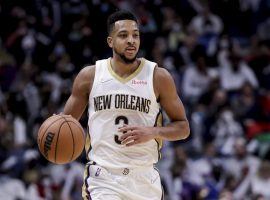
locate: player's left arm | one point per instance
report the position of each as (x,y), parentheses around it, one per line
(177,129)
(171,103)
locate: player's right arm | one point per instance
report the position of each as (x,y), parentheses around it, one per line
(81,88)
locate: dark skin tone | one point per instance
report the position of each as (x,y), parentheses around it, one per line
(125,41)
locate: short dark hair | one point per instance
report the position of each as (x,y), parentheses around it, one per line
(117,16)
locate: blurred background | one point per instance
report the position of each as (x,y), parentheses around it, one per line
(218,53)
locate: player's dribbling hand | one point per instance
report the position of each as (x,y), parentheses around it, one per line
(136,134)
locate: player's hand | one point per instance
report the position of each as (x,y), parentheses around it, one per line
(136,134)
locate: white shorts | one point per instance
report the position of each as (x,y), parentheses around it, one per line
(122,184)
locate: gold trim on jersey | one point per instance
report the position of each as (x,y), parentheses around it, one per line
(131,76)
(87,145)
(85,192)
(159,123)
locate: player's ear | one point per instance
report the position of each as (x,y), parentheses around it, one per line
(109,41)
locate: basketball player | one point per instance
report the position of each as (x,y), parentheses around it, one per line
(125,95)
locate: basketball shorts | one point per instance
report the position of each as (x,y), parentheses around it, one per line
(122,184)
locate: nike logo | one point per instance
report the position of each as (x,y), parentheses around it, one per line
(106,80)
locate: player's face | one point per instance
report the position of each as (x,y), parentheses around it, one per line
(125,40)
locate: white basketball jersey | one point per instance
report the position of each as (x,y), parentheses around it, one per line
(114,101)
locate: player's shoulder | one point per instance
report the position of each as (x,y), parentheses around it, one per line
(84,79)
(87,72)
(161,73)
(88,69)
(163,81)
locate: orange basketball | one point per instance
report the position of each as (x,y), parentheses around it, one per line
(61,139)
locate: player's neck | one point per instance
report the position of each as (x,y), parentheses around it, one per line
(123,69)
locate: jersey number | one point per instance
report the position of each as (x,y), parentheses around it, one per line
(118,120)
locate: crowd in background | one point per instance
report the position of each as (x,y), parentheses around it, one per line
(218,53)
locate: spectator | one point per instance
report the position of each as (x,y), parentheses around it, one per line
(225,131)
(235,73)
(196,79)
(243,163)
(207,26)
(261,181)
(206,23)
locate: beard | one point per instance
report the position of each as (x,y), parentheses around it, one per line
(124,58)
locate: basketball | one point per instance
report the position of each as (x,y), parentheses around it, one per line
(61,139)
